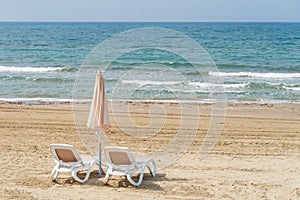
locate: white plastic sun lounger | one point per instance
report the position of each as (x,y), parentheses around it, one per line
(121,162)
(68,159)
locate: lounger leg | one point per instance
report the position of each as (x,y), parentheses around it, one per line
(74,173)
(152,172)
(54,172)
(137,184)
(89,170)
(108,171)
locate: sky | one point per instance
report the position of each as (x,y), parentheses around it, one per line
(150,10)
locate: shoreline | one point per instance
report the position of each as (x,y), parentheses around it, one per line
(50,101)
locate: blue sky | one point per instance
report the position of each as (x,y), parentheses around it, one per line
(150,10)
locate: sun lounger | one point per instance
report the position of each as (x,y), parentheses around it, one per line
(68,159)
(121,162)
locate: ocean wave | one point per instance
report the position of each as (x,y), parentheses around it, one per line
(176,101)
(40,100)
(143,82)
(194,84)
(75,101)
(121,64)
(188,86)
(13,78)
(213,85)
(34,79)
(255,75)
(274,86)
(292,88)
(52,80)
(36,69)
(163,92)
(68,69)
(242,87)
(209,101)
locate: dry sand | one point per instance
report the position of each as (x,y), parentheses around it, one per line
(257,156)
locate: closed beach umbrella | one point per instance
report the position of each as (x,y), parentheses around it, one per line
(98,116)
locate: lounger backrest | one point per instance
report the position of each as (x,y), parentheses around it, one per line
(65,153)
(119,156)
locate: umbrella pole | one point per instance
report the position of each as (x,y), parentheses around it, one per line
(99,152)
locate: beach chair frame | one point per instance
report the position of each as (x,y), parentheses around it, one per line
(68,159)
(121,162)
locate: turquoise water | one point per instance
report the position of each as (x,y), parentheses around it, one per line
(258,62)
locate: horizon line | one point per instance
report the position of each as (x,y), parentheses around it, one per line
(150,21)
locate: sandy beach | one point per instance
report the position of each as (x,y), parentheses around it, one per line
(256,157)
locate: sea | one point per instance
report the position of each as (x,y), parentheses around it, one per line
(40,62)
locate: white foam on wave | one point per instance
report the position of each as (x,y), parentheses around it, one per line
(143,82)
(207,101)
(29,69)
(43,100)
(255,75)
(213,85)
(176,101)
(195,84)
(292,88)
